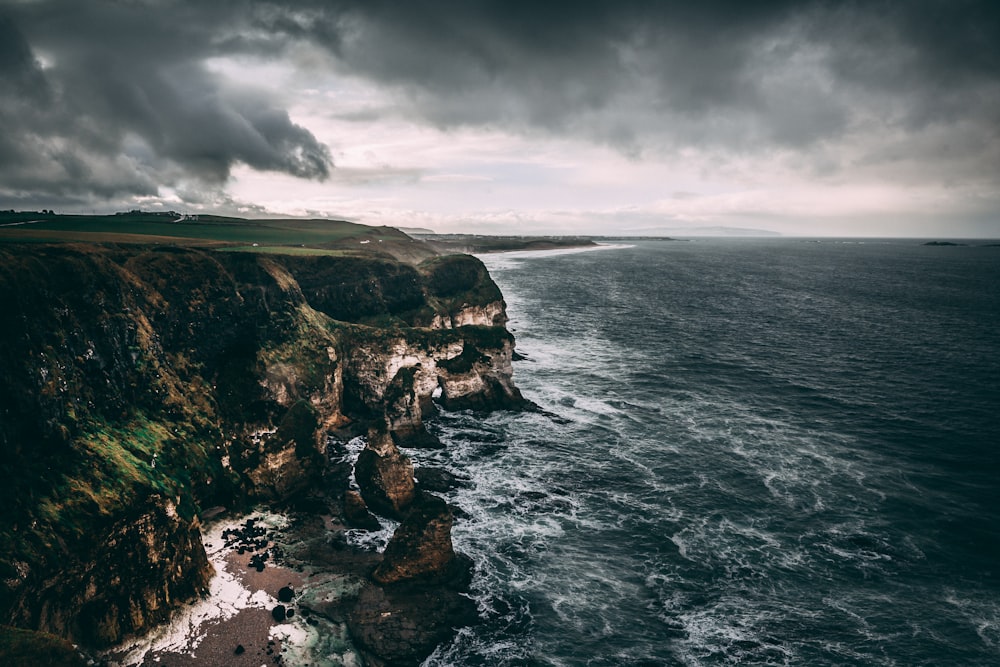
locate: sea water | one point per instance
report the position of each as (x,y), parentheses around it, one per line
(754,452)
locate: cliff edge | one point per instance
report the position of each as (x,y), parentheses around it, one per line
(145,384)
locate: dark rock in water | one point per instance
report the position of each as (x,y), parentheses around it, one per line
(356,513)
(279,613)
(438,480)
(943,243)
(239,650)
(285,594)
(403,625)
(417,438)
(421,547)
(385,476)
(517,356)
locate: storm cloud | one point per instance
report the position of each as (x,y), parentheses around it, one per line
(113,99)
(106,99)
(735,76)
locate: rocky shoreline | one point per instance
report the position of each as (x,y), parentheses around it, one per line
(291,587)
(177,389)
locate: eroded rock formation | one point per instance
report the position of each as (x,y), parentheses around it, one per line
(420,548)
(385,476)
(147,564)
(400,626)
(143,384)
(356,513)
(418,596)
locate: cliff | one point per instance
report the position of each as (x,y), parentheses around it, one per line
(144,384)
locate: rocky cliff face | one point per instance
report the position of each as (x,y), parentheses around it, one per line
(144,384)
(400,376)
(95,599)
(385,476)
(490,315)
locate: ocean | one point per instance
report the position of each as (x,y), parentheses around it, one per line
(753,452)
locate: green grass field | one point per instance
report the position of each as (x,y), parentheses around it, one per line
(286,250)
(137,227)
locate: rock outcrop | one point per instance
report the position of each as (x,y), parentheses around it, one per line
(356,514)
(400,626)
(418,599)
(127,581)
(142,384)
(385,476)
(438,480)
(420,549)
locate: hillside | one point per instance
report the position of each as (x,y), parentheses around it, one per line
(274,236)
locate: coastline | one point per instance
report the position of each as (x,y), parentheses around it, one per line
(237,625)
(235,388)
(555,252)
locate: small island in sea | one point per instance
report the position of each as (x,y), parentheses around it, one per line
(203,420)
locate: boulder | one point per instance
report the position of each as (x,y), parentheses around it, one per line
(438,480)
(421,547)
(416,437)
(385,476)
(356,514)
(402,626)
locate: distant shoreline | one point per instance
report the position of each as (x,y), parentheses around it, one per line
(554,252)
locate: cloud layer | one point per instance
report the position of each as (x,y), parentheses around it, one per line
(111,100)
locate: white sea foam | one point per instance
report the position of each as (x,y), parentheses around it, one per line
(981,612)
(492,259)
(373,540)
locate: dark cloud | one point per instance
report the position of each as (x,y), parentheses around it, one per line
(125,100)
(109,99)
(734,76)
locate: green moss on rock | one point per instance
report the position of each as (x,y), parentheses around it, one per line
(25,648)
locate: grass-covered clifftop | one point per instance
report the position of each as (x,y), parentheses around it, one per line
(287,236)
(143,384)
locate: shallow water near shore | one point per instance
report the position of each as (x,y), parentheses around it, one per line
(759,452)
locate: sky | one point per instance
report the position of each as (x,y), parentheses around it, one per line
(865,118)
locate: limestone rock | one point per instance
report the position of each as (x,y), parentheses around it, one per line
(402,626)
(404,407)
(356,513)
(481,378)
(385,476)
(438,480)
(421,547)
